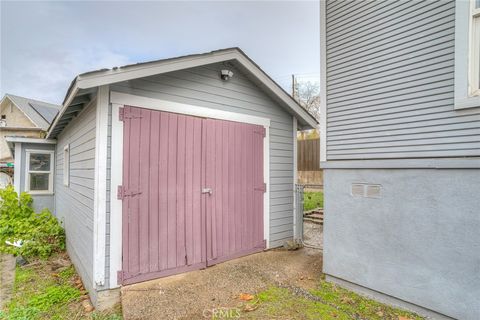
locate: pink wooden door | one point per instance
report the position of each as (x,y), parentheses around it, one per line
(163,223)
(172,223)
(234,174)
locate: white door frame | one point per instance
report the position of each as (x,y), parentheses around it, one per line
(118,100)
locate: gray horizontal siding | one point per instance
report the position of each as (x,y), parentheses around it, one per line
(74,203)
(202,87)
(390,88)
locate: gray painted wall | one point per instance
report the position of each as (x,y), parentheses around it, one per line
(419,242)
(390,88)
(40,201)
(202,86)
(74,203)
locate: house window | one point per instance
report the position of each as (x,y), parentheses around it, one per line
(66,165)
(467,54)
(475,48)
(39,175)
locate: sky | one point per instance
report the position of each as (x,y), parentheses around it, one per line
(44,45)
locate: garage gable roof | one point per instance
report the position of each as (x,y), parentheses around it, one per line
(85,82)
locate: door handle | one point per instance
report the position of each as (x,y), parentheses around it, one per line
(207,190)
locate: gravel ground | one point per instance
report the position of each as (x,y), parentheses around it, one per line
(186,296)
(313,234)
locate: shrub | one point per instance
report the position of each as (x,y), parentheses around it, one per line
(40,233)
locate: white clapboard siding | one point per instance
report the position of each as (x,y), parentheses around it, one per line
(74,203)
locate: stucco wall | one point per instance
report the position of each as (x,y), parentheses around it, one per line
(5,153)
(419,242)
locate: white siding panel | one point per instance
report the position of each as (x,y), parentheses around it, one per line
(74,203)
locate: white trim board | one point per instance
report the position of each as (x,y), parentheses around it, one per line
(100,187)
(296,234)
(30,140)
(175,107)
(118,100)
(323,81)
(17,173)
(115,204)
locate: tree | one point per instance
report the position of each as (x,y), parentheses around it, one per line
(307,93)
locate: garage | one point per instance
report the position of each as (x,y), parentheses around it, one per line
(192,192)
(173,165)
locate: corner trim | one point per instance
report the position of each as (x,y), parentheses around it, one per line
(445,163)
(17,173)
(323,81)
(100,187)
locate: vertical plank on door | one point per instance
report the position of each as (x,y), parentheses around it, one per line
(134,172)
(153,194)
(198,216)
(163,191)
(172,190)
(143,183)
(231,188)
(218,189)
(225,189)
(180,193)
(250,187)
(189,189)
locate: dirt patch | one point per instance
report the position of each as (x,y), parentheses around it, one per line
(186,296)
(7,278)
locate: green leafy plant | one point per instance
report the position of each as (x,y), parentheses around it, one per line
(39,234)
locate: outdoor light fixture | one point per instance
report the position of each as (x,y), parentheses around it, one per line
(226,74)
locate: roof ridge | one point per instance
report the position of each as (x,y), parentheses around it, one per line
(54,105)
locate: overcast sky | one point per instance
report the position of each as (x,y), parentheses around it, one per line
(44,45)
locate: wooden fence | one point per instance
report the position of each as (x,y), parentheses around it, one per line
(308,155)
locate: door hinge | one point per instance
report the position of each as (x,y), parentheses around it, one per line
(124,114)
(262,188)
(261,131)
(122,193)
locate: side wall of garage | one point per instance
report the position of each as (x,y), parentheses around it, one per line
(203,87)
(74,203)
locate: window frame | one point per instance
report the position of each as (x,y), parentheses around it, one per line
(474,57)
(66,165)
(466,76)
(50,172)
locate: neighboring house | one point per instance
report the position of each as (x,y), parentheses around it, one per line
(400,149)
(169,166)
(23,117)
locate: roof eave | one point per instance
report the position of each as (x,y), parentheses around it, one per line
(104,77)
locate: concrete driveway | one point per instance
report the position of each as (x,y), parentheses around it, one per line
(193,295)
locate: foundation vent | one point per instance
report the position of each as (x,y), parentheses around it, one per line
(366,190)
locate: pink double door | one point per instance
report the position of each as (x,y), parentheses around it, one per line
(192,192)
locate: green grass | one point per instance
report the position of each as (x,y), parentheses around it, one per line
(40,293)
(334,303)
(312,200)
